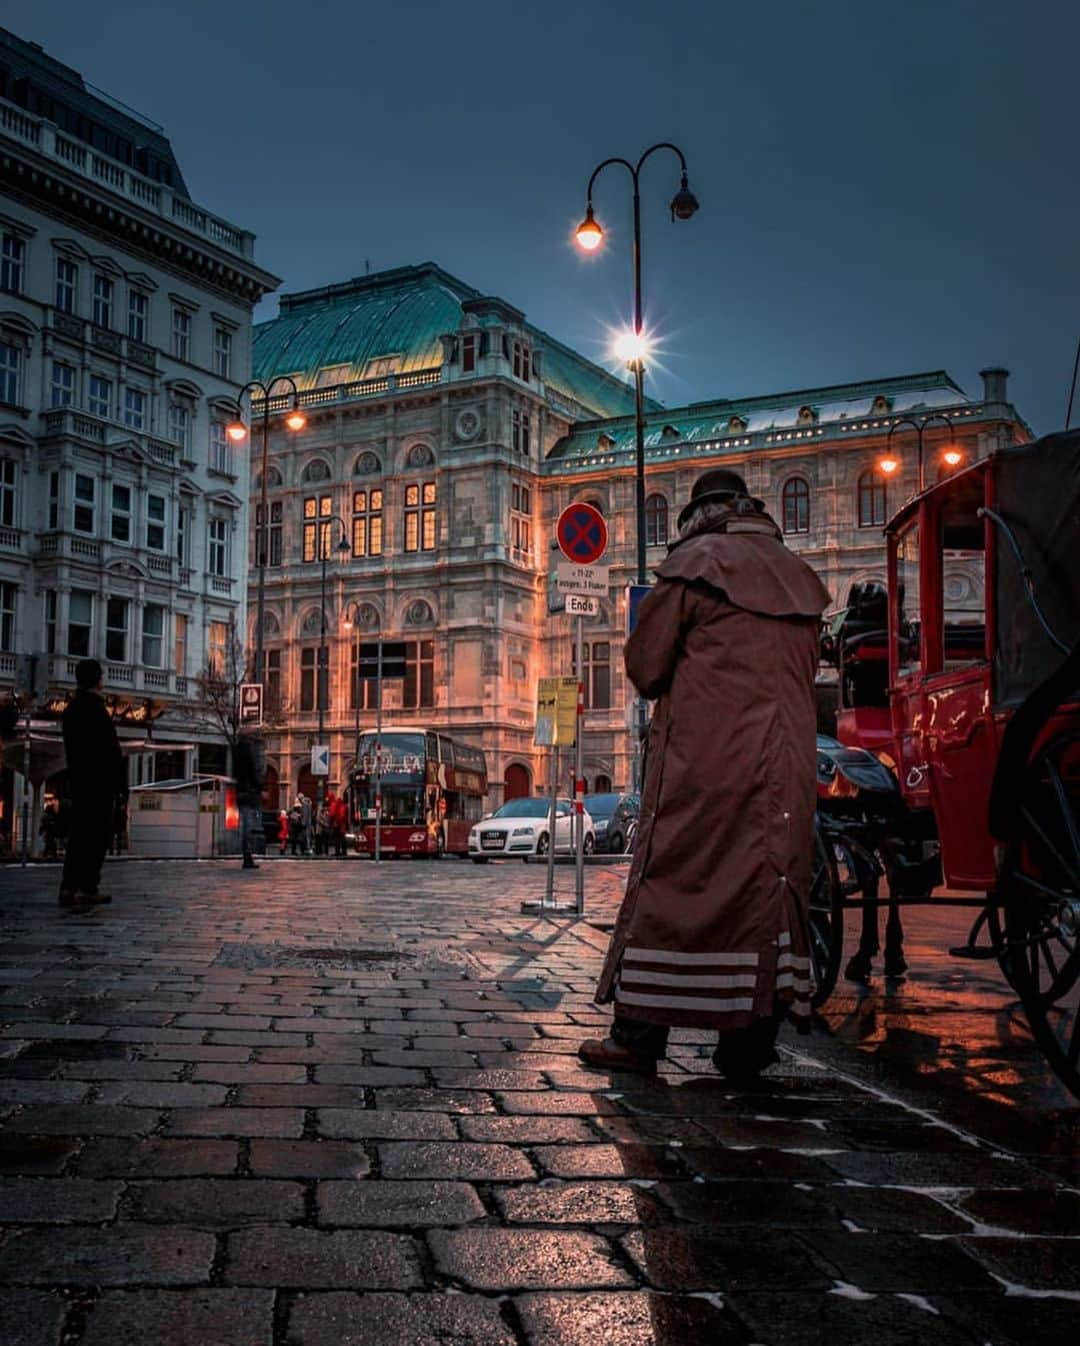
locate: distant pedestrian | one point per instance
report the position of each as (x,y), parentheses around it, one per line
(712,931)
(296,830)
(249,771)
(303,803)
(322,830)
(283,831)
(339,823)
(97,778)
(118,838)
(48,829)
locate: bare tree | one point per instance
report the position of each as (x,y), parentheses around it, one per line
(217,689)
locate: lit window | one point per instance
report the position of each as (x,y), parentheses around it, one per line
(218,534)
(153,635)
(367,533)
(656,521)
(120,514)
(63,384)
(217,648)
(138,308)
(317,526)
(155,523)
(103,300)
(223,352)
(795,501)
(67,279)
(180,644)
(83,514)
(99,397)
(871,500)
(117,612)
(12,258)
(7,492)
(520,522)
(420,517)
(134,408)
(8,599)
(181,334)
(10,361)
(80,622)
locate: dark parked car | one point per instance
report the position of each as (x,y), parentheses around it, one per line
(612,816)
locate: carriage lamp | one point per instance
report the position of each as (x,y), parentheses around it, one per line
(888,465)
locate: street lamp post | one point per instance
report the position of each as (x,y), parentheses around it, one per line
(343,548)
(237,431)
(952,457)
(589,236)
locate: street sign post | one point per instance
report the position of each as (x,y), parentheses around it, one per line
(251,703)
(589,581)
(636,594)
(582,533)
(320,759)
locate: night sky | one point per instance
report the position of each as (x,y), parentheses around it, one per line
(884,189)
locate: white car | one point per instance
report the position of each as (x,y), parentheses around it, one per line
(522,827)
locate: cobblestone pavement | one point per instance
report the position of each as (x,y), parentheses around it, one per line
(328,1103)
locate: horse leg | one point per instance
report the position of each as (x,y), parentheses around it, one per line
(895,962)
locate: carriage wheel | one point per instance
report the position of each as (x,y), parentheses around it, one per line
(1039,891)
(826,922)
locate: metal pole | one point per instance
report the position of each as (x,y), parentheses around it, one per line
(263,532)
(378,756)
(922,481)
(322,655)
(579,784)
(549,891)
(26,766)
(639,396)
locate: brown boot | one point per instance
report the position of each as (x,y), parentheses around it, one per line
(605,1054)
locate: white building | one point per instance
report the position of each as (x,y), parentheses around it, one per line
(125,314)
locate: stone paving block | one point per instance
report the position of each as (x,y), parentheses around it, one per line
(908,1169)
(311,1259)
(84,1119)
(223,1203)
(162,1095)
(584,1203)
(626,1318)
(527,1130)
(57,1200)
(1009,1320)
(650,1130)
(453,1159)
(237,1022)
(884,1209)
(247,1072)
(124,1254)
(1024,1212)
(31,1317)
(145,1071)
(718,1163)
(368,1077)
(199,1051)
(406,1204)
(772,1204)
(554,1104)
(842,1319)
(1038,1264)
(434,1100)
(605,1161)
(529,1080)
(157,1157)
(512,1259)
(35,1154)
(378,1123)
(308,1159)
(415,1060)
(43,1092)
(181,1318)
(300,1096)
(686,1260)
(343,1319)
(235,1122)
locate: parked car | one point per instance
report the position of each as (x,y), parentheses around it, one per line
(613,816)
(522,827)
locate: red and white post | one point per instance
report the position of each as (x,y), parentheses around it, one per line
(579,782)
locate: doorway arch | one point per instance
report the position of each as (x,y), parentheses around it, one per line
(602,785)
(270,797)
(517,782)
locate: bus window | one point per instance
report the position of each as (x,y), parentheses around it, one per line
(432,746)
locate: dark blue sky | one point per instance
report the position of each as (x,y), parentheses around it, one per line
(884,188)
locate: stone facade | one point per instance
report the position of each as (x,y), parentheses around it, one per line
(438,401)
(125,316)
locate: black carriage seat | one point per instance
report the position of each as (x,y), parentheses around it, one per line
(864,646)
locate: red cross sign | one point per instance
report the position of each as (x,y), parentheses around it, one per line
(582,533)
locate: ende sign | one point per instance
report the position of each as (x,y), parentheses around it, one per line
(579,606)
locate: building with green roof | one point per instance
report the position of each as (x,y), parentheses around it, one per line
(444,435)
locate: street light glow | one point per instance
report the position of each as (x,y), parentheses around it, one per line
(888,465)
(589,234)
(237,431)
(296,420)
(630,347)
(952,457)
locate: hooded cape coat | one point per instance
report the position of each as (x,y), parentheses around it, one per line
(712,930)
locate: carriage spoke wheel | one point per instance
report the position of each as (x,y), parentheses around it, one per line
(1039,892)
(826,919)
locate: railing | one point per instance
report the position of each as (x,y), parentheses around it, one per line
(185,578)
(65,421)
(181,686)
(161,564)
(155,678)
(162,453)
(80,547)
(7,663)
(121,673)
(12,538)
(221,584)
(46,140)
(347,392)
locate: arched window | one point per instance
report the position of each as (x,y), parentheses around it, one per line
(517,783)
(871,491)
(317,470)
(795,502)
(656,521)
(602,785)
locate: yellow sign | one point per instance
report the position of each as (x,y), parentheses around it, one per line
(556,712)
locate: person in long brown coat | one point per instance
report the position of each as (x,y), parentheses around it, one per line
(712,930)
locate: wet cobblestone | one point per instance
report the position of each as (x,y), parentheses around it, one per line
(348,1108)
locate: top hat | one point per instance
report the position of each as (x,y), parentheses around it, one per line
(719,484)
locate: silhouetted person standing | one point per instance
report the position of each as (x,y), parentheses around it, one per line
(98,781)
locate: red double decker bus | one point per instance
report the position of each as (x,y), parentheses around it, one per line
(433,788)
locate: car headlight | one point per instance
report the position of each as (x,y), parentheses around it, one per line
(601,824)
(523,831)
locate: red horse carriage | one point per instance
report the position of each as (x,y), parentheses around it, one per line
(958,761)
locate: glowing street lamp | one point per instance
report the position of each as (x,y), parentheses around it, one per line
(888,466)
(952,458)
(589,234)
(632,347)
(920,429)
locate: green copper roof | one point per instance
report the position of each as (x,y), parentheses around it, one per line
(334,334)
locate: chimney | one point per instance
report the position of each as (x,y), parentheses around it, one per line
(995,383)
